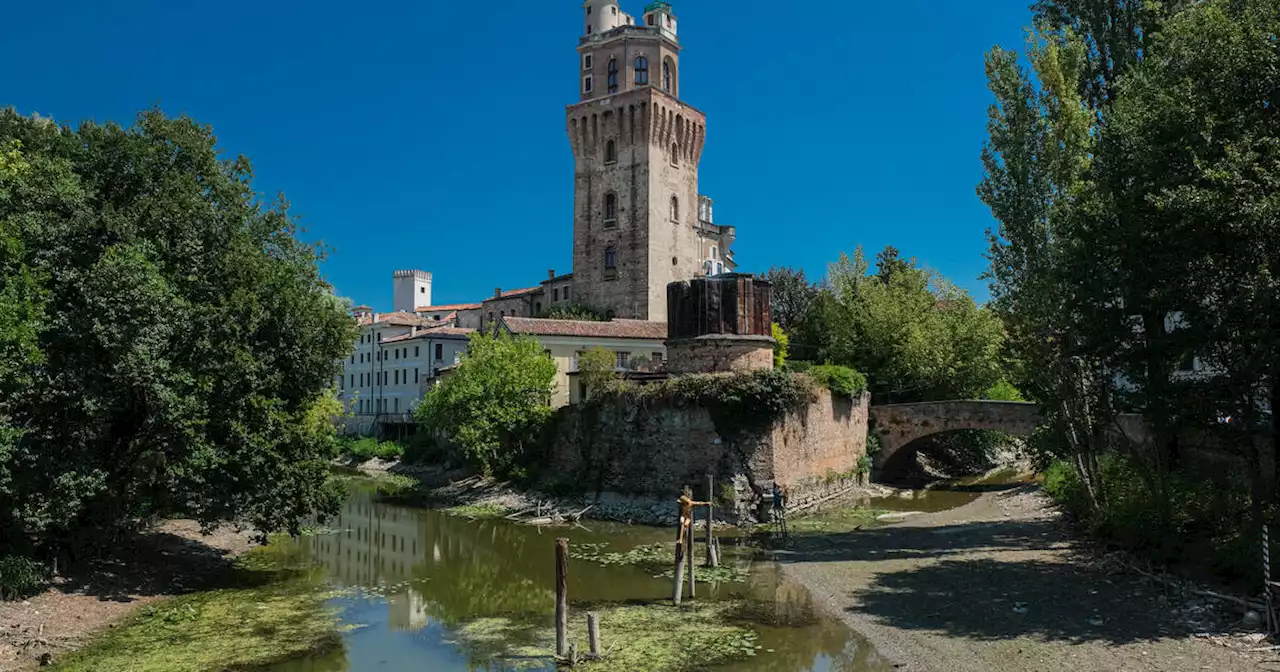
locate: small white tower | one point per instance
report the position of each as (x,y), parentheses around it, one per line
(410,290)
(602,16)
(658,15)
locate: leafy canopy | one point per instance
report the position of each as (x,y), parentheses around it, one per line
(493,406)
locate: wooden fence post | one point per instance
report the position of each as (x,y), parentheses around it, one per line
(713,554)
(562,597)
(680,560)
(691,563)
(593,634)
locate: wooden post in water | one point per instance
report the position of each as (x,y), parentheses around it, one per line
(593,634)
(562,597)
(713,554)
(691,563)
(679,575)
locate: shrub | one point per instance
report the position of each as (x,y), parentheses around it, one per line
(797,366)
(19,576)
(366,449)
(781,345)
(1003,391)
(737,402)
(841,380)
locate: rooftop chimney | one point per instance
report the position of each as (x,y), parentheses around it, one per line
(551,274)
(497,293)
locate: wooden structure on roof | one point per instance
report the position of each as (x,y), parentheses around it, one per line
(730,304)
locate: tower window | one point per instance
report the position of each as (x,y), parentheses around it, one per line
(642,69)
(675,209)
(610,208)
(610,152)
(586,62)
(611,258)
(586,84)
(613,75)
(715,254)
(667,76)
(675,154)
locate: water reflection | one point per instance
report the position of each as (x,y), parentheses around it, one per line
(427,591)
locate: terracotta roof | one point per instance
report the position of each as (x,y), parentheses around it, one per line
(516,292)
(400,319)
(438,332)
(566,276)
(615,329)
(452,306)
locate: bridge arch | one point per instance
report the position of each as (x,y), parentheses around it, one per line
(899,424)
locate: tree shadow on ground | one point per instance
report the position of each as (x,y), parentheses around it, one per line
(988,580)
(148,563)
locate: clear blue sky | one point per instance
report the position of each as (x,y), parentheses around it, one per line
(431,134)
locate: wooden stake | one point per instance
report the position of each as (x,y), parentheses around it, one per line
(562,597)
(679,575)
(691,563)
(593,633)
(713,555)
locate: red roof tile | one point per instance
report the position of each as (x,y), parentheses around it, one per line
(615,329)
(438,332)
(400,319)
(452,306)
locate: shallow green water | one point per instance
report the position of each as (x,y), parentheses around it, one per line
(418,584)
(946,495)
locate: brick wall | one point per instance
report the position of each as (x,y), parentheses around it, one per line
(660,445)
(719,353)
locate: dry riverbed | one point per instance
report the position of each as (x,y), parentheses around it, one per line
(999,585)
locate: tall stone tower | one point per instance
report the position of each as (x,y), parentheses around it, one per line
(636,148)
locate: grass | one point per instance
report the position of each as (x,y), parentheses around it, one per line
(484,511)
(834,521)
(275,611)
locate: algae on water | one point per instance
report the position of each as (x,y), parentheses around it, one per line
(658,559)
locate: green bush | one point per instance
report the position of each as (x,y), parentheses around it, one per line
(797,366)
(19,576)
(841,380)
(366,449)
(1196,523)
(737,401)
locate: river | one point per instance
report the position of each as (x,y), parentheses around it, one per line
(411,585)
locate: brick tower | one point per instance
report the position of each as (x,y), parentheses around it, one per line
(636,224)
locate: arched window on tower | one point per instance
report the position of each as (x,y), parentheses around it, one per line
(611,258)
(610,209)
(610,152)
(668,76)
(675,154)
(642,69)
(613,75)
(675,209)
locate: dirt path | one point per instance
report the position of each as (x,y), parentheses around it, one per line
(173,559)
(997,585)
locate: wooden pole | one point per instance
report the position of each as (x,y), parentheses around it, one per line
(593,633)
(713,556)
(691,563)
(679,575)
(562,597)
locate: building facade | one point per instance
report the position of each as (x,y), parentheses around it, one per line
(637,146)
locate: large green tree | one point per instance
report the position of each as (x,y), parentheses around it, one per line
(168,342)
(494,405)
(915,335)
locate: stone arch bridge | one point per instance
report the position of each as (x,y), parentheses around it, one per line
(900,424)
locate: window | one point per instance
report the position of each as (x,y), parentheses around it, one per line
(624,359)
(353,380)
(615,10)
(415,352)
(675,209)
(555,294)
(397,352)
(566,293)
(439,352)
(1188,364)
(642,69)
(611,258)
(586,84)
(675,154)
(537,306)
(395,376)
(613,75)
(610,208)
(397,402)
(658,357)
(415,376)
(715,254)
(342,383)
(586,62)
(353,359)
(610,152)
(491,316)
(379,337)
(666,75)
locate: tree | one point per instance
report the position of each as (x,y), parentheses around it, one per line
(597,370)
(781,345)
(493,406)
(792,296)
(915,335)
(178,336)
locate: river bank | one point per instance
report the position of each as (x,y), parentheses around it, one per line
(1000,584)
(94,597)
